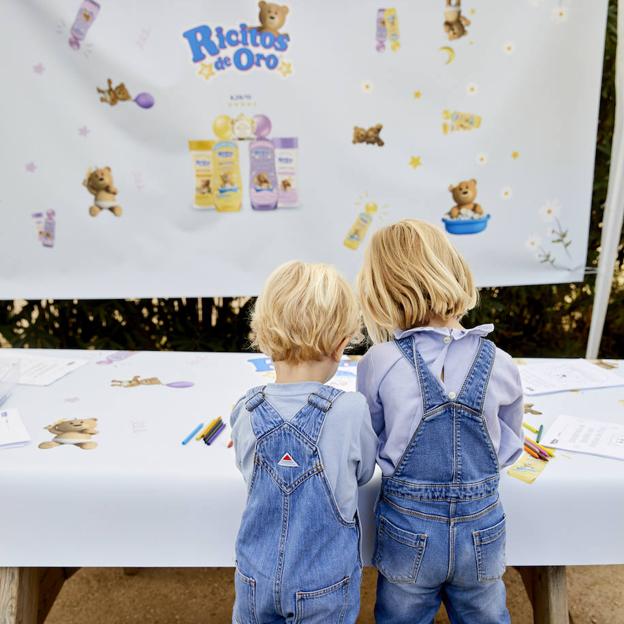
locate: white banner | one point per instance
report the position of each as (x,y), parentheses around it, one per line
(186,148)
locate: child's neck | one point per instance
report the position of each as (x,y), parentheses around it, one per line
(436,321)
(320,371)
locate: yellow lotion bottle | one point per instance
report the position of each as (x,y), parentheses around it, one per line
(225,162)
(359,228)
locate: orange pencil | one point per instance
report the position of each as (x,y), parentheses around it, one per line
(531,452)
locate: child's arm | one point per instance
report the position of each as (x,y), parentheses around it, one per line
(511,415)
(367,384)
(243,438)
(368,449)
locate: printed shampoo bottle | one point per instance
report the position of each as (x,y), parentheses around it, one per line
(286,162)
(225,163)
(262,176)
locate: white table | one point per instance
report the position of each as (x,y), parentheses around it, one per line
(142,499)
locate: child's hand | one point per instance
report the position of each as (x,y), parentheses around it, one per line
(230,443)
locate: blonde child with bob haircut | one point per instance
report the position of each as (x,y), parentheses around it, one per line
(447,407)
(303,448)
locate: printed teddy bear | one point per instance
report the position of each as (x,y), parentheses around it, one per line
(99,183)
(76,432)
(111,95)
(454,22)
(464,195)
(272,17)
(370,136)
(226,181)
(262,181)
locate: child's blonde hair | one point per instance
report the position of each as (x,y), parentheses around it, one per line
(303,313)
(411,274)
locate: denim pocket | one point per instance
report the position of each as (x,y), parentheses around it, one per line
(323,606)
(245,601)
(489,545)
(398,553)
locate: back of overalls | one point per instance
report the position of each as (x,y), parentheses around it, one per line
(297,558)
(440,524)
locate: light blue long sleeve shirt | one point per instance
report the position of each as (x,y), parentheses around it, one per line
(347,443)
(390,385)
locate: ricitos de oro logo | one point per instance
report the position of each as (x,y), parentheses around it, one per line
(244,47)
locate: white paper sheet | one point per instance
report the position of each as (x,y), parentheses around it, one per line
(566,375)
(586,436)
(41,370)
(12,430)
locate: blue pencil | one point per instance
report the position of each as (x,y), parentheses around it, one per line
(193,433)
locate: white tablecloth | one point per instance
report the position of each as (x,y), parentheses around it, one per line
(142,499)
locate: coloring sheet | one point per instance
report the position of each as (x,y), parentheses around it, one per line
(187,148)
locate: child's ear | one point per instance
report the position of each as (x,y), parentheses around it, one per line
(337,354)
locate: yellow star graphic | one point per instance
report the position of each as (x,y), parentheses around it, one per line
(285,68)
(418,94)
(415,162)
(473,11)
(515,155)
(206,71)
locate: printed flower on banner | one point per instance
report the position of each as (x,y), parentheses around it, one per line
(482,159)
(472,88)
(557,238)
(534,243)
(506,192)
(39,68)
(367,86)
(559,15)
(84,131)
(550,210)
(30,167)
(509,47)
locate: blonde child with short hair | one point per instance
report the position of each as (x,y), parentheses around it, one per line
(303,448)
(447,407)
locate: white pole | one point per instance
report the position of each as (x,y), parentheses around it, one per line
(614,206)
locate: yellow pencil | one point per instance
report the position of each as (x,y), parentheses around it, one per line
(527,426)
(546,450)
(207,428)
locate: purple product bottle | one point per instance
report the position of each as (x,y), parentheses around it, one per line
(286,163)
(262,176)
(86,15)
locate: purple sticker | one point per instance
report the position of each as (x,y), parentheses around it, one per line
(180,384)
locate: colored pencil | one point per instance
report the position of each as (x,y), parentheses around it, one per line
(528,443)
(193,433)
(531,453)
(208,440)
(527,426)
(538,436)
(207,429)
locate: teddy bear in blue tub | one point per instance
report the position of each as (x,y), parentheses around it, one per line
(466,216)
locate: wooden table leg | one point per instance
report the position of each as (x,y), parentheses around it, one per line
(19,595)
(27,594)
(548,593)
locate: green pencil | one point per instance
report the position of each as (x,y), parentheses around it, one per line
(538,437)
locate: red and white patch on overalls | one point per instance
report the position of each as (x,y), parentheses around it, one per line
(288,461)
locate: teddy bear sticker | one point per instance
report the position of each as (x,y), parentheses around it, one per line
(112,95)
(99,182)
(454,22)
(272,17)
(75,432)
(466,216)
(370,136)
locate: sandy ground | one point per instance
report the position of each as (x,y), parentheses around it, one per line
(193,596)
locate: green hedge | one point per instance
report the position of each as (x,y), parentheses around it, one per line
(530,320)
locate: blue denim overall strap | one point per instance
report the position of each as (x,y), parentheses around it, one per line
(450,457)
(290,513)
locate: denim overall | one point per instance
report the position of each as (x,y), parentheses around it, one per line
(440,525)
(298,560)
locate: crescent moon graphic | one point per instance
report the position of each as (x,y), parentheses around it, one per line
(450,52)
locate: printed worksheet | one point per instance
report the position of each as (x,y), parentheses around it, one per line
(586,436)
(38,370)
(566,375)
